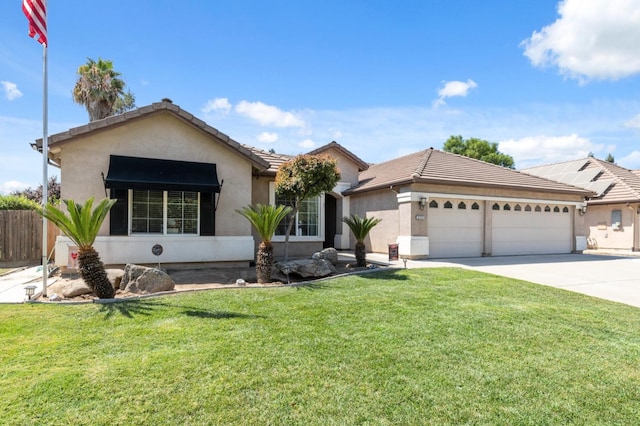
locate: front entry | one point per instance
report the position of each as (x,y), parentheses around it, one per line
(330,221)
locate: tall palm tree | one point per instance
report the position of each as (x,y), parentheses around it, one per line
(100,91)
(265,219)
(82,225)
(360,228)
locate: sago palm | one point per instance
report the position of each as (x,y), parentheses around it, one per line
(81,225)
(360,228)
(264,219)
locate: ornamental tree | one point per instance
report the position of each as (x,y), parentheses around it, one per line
(303,177)
(478,149)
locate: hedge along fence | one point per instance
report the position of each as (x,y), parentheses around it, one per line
(21,237)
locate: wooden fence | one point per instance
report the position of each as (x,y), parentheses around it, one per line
(21,238)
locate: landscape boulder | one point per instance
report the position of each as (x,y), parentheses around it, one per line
(306,268)
(75,288)
(329,254)
(144,280)
(115,277)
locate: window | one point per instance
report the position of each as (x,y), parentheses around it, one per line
(527,208)
(538,209)
(448,205)
(556,209)
(547,209)
(495,206)
(616,219)
(182,212)
(507,207)
(462,205)
(147,212)
(565,210)
(517,208)
(160,212)
(475,206)
(433,204)
(307,221)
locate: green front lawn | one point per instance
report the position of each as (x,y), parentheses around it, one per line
(431,346)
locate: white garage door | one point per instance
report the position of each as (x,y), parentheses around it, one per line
(454,228)
(530,229)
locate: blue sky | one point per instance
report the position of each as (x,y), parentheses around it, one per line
(548,81)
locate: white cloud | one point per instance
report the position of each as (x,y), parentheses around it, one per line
(268,115)
(307,144)
(454,88)
(217,105)
(11,91)
(268,137)
(12,186)
(630,161)
(592,39)
(634,123)
(536,150)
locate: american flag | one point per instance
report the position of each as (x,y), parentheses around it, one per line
(36,13)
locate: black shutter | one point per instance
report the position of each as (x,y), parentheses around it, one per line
(118,222)
(207,213)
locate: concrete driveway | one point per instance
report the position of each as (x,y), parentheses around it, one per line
(615,278)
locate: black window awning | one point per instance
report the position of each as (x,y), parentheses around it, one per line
(169,175)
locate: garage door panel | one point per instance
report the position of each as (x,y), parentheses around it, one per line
(455,232)
(517,232)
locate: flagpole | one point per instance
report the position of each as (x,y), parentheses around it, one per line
(45,174)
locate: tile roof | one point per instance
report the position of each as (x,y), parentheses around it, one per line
(435,166)
(121,119)
(274,160)
(612,183)
(350,155)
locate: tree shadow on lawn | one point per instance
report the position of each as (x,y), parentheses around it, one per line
(143,307)
(385,274)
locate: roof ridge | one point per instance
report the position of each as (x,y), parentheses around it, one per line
(423,163)
(635,189)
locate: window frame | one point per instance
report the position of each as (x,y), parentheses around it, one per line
(165,218)
(301,238)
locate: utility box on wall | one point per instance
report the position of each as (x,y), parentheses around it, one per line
(393,252)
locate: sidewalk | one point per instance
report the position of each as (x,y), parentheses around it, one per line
(12,286)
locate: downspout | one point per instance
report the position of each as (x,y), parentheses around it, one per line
(634,221)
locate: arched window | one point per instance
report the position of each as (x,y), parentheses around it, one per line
(495,206)
(565,209)
(556,209)
(547,209)
(507,207)
(462,205)
(433,204)
(475,206)
(527,208)
(538,209)
(448,205)
(517,208)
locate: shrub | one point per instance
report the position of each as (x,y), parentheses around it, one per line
(16,202)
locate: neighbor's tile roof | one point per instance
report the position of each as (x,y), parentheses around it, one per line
(155,108)
(274,160)
(434,166)
(612,183)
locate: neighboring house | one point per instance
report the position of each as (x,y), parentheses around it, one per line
(611,219)
(179,182)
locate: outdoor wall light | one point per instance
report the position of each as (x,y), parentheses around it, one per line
(30,290)
(422,203)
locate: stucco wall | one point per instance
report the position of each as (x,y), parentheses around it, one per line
(600,230)
(348,170)
(381,204)
(160,136)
